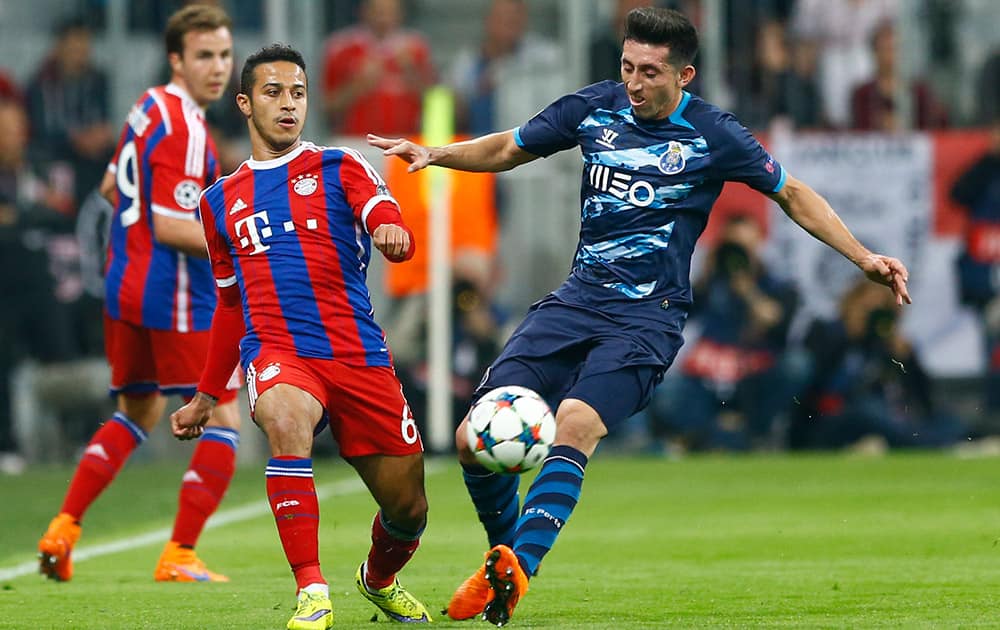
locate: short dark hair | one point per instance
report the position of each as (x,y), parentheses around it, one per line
(664,27)
(267,54)
(194,17)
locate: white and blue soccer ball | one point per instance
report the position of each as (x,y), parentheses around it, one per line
(510,430)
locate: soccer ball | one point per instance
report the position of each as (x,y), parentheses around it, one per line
(510,430)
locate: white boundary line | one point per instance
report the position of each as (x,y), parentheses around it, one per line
(244,512)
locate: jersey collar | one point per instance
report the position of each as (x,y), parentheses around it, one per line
(282,160)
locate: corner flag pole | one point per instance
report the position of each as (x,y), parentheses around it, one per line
(438,124)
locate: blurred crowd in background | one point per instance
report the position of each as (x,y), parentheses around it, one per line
(744,381)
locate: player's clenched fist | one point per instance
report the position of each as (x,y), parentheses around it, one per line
(188,422)
(393,241)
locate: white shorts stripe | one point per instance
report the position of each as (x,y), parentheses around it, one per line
(252,386)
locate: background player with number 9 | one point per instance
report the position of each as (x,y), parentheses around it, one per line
(160,295)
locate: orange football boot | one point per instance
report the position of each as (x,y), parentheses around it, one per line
(55,549)
(472,596)
(181,564)
(508,584)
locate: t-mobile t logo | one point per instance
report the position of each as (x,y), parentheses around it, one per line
(246,229)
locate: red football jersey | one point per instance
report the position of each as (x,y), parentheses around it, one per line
(293,234)
(165,158)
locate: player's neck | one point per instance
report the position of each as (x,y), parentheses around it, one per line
(262,152)
(179,82)
(671,107)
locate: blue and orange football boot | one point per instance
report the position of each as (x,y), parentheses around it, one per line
(55,549)
(181,564)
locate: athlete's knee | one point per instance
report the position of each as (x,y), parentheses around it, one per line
(226,415)
(409,512)
(579,425)
(145,410)
(465,455)
(461,439)
(287,434)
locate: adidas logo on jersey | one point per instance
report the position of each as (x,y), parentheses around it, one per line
(238,205)
(191,477)
(97,450)
(607,138)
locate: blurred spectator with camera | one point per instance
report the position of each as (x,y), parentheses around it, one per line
(375,73)
(869,388)
(873,103)
(734,382)
(978,265)
(69,109)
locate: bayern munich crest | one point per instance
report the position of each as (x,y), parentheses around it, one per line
(272,370)
(305,185)
(672,162)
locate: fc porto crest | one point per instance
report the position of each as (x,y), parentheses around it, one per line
(672,162)
(304,185)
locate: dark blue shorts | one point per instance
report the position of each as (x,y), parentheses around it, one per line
(611,363)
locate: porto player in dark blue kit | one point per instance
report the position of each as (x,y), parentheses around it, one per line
(655,160)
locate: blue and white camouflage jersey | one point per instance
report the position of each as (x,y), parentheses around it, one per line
(647,189)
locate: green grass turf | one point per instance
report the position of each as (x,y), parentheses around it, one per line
(817,541)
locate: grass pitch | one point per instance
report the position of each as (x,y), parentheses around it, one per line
(817,541)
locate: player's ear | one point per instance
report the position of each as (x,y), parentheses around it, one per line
(687,75)
(243,102)
(174,59)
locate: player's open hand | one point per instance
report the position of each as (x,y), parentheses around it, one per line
(417,155)
(188,422)
(392,240)
(888,271)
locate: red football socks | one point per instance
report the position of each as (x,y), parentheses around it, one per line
(292,495)
(102,459)
(205,483)
(391,549)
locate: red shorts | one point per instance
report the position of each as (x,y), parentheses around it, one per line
(145,360)
(367,410)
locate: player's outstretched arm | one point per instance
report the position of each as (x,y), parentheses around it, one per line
(811,211)
(490,153)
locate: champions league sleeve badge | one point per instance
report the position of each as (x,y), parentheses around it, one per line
(672,162)
(186,194)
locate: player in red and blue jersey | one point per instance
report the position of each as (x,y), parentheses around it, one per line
(290,234)
(160,296)
(655,160)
